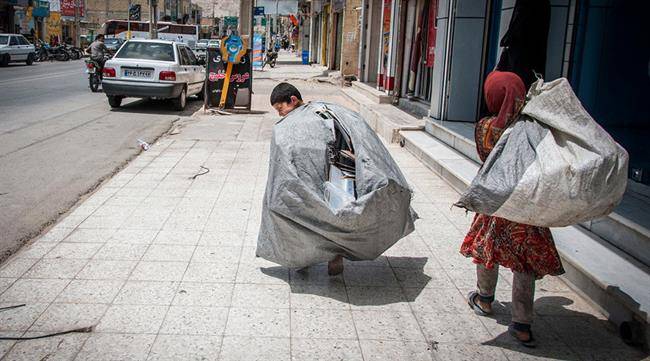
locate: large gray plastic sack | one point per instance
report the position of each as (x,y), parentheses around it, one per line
(298,227)
(554,167)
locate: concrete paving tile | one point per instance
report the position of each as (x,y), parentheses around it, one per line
(586,331)
(121,252)
(16,267)
(5,283)
(106,222)
(146,293)
(113,211)
(427,277)
(34,290)
(185,348)
(251,273)
(235,348)
(132,319)
(147,219)
(332,296)
(106,270)
(128,236)
(387,325)
(100,235)
(57,348)
(614,354)
(68,316)
(21,318)
(262,322)
(325,349)
(441,327)
(127,201)
(159,271)
(320,323)
(497,326)
(90,291)
(35,250)
(315,275)
(56,234)
(370,276)
(56,268)
(186,238)
(111,347)
(377,299)
(71,221)
(563,304)
(67,250)
(191,320)
(160,202)
(204,294)
(542,353)
(416,259)
(260,296)
(448,300)
(216,254)
(221,239)
(467,352)
(168,253)
(211,272)
(375,350)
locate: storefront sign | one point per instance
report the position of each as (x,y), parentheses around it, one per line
(258,11)
(240,78)
(431,36)
(68,7)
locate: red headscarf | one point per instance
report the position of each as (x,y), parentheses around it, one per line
(504,93)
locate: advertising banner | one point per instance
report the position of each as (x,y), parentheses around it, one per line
(240,78)
(258,59)
(431,35)
(68,7)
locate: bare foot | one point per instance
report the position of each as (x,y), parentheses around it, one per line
(335,266)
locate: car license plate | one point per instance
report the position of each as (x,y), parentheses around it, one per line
(132,73)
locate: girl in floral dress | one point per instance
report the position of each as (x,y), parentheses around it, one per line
(529,251)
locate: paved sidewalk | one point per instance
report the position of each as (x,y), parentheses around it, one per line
(163,264)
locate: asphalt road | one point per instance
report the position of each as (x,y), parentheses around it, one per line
(58,141)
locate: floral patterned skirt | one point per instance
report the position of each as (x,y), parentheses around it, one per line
(520,247)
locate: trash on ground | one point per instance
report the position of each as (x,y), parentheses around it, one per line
(144,145)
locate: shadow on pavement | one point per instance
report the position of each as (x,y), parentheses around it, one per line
(557,327)
(373,276)
(162,107)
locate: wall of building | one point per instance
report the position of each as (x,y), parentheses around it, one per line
(350,38)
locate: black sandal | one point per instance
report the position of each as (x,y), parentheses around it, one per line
(471,301)
(522,327)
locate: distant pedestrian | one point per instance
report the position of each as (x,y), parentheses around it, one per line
(529,251)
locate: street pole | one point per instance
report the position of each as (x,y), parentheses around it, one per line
(77,36)
(277,26)
(128,22)
(153,19)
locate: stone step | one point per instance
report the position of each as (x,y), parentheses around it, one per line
(377,96)
(385,119)
(610,279)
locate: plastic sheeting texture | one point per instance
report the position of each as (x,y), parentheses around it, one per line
(554,167)
(298,227)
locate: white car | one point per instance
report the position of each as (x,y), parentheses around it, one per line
(157,69)
(15,48)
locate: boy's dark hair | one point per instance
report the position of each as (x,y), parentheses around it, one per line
(283,92)
(99,36)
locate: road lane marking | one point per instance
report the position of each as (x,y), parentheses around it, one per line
(58,75)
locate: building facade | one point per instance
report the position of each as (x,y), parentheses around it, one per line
(432,57)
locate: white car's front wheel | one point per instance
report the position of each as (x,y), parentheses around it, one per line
(181,101)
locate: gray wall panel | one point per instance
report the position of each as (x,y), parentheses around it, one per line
(438,69)
(470,8)
(465,69)
(556,42)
